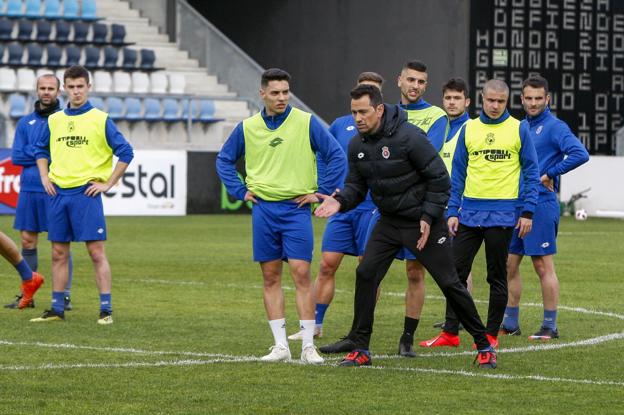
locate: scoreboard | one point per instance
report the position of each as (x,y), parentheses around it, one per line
(577,45)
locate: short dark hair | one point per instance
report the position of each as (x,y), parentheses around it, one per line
(456,84)
(371,77)
(274,74)
(416,66)
(536,81)
(374,94)
(76,71)
(49,75)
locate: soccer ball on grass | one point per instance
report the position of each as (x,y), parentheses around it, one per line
(580,214)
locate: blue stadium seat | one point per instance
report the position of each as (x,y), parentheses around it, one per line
(33,8)
(54,56)
(171,110)
(118,34)
(62,31)
(24,29)
(92,57)
(89,10)
(17,105)
(133,109)
(81,31)
(207,111)
(72,54)
(6,28)
(129,58)
(1,7)
(111,55)
(152,109)
(14,8)
(115,108)
(35,54)
(100,32)
(51,9)
(97,102)
(44,29)
(70,9)
(148,57)
(16,53)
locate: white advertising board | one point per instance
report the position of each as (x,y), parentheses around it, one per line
(153,185)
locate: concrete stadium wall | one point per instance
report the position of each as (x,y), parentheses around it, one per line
(325,44)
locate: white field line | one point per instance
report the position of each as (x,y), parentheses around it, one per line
(243,359)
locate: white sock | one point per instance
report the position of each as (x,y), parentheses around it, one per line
(308,332)
(278,327)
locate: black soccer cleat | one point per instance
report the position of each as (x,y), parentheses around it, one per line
(545,334)
(15,304)
(343,345)
(504,331)
(356,358)
(406,349)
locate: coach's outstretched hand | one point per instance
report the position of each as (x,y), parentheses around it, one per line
(329,207)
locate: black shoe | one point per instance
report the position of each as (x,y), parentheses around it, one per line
(545,334)
(440,325)
(15,303)
(356,358)
(504,331)
(49,315)
(68,304)
(343,345)
(486,359)
(406,349)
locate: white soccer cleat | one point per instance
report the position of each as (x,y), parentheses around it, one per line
(279,353)
(310,355)
(298,336)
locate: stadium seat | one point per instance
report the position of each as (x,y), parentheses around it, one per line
(171,110)
(24,29)
(148,57)
(121,82)
(111,55)
(118,34)
(129,58)
(207,111)
(89,10)
(97,102)
(103,81)
(51,9)
(70,9)
(16,53)
(72,54)
(100,33)
(152,109)
(81,32)
(26,79)
(62,31)
(140,83)
(44,30)
(115,108)
(177,83)
(33,8)
(8,79)
(189,109)
(133,109)
(14,8)
(1,7)
(6,29)
(92,57)
(54,56)
(43,71)
(159,82)
(17,105)
(35,54)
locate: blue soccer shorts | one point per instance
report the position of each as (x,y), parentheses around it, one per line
(542,240)
(76,217)
(403,253)
(281,230)
(31,213)
(347,232)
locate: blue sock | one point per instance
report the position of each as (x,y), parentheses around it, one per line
(320,313)
(550,319)
(58,301)
(70,277)
(30,256)
(510,322)
(105,303)
(24,270)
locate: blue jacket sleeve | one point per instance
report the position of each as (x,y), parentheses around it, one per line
(324,143)
(232,150)
(42,146)
(458,178)
(437,133)
(23,152)
(321,163)
(116,141)
(576,153)
(530,172)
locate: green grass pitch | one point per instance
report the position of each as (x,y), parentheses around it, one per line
(189,322)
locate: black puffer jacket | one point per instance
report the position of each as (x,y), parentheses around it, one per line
(403,171)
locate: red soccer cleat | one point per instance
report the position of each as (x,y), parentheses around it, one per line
(443,339)
(29,288)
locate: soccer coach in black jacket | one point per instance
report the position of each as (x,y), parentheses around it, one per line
(410,185)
